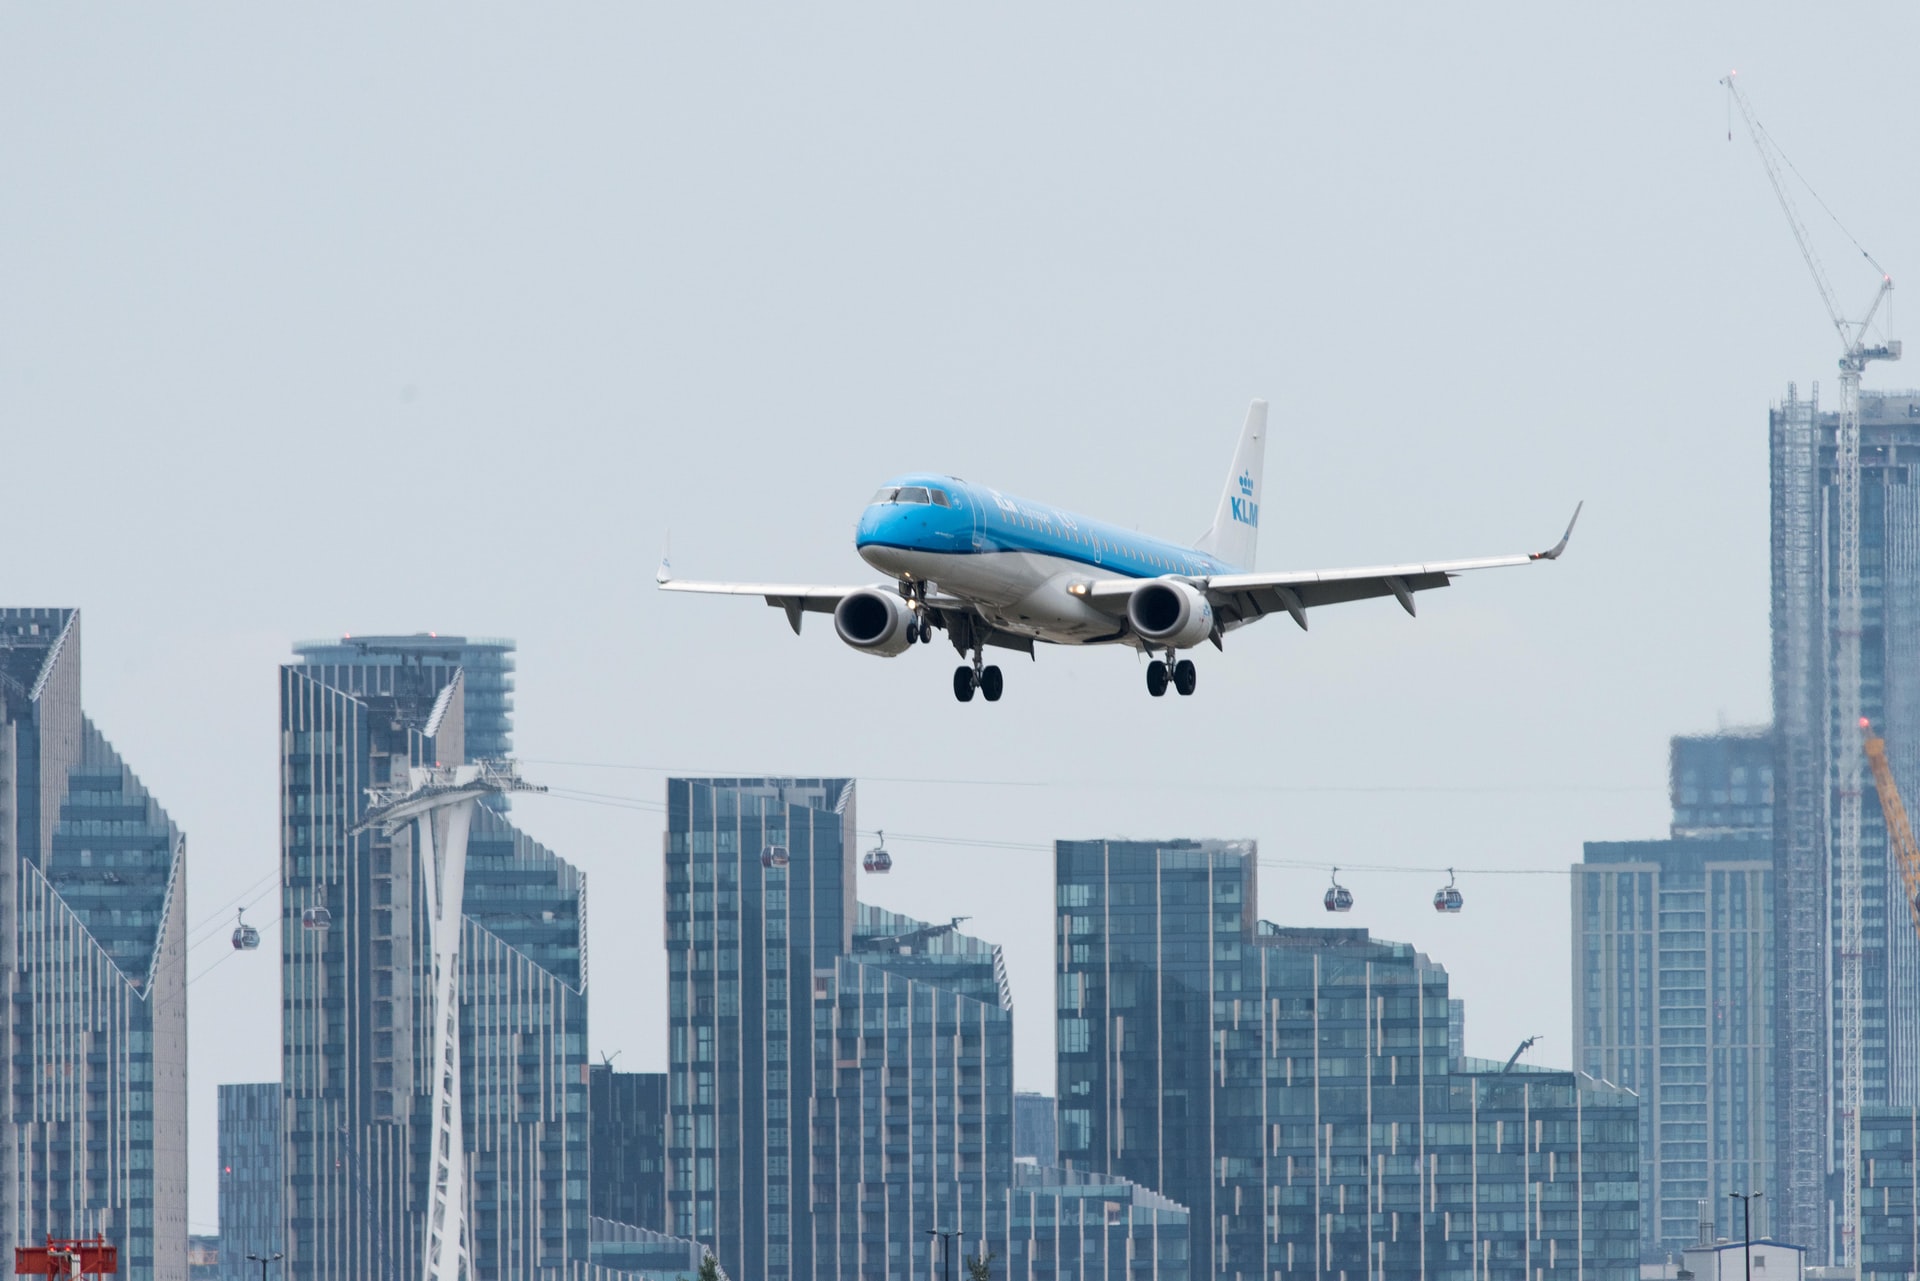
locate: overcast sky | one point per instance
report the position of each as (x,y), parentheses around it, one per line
(345,319)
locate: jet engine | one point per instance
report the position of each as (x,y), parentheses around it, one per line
(873,621)
(1170,614)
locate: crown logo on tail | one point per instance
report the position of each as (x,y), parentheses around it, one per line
(1246,483)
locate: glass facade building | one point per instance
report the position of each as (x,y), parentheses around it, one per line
(1889,1194)
(251,1177)
(93,958)
(1034,1136)
(1808,737)
(841,1078)
(1673,987)
(357,1026)
(913,1131)
(627,1114)
(1293,1089)
(1072,1225)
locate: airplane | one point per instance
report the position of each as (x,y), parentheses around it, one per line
(993,570)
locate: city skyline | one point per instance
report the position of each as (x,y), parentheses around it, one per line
(449,328)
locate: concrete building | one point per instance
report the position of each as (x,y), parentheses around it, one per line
(1737,1260)
(627,1117)
(1802,443)
(1889,1194)
(1673,987)
(356,1034)
(1292,1088)
(252,1178)
(93,961)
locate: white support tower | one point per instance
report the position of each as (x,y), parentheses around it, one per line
(1843,735)
(442,800)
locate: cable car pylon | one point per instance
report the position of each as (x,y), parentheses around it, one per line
(439,802)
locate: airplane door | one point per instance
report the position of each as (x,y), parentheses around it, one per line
(978,514)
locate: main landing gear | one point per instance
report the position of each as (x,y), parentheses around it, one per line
(985,679)
(1182,675)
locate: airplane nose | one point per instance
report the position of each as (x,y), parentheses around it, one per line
(868,528)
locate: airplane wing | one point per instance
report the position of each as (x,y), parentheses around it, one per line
(795,598)
(1246,597)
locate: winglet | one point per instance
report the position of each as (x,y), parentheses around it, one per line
(1553,552)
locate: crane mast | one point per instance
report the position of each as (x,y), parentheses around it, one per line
(1846,878)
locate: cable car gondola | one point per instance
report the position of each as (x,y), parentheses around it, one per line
(316,918)
(245,937)
(1447,898)
(878,860)
(1339,898)
(774,856)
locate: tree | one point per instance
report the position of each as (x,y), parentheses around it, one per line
(709,1269)
(980,1268)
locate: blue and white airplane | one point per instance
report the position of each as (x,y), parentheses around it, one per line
(994,570)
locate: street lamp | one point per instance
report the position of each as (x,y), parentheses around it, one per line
(1746,1200)
(264,1260)
(946,1252)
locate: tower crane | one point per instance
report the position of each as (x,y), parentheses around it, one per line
(1899,832)
(1855,353)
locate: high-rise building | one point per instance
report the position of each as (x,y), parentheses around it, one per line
(913,1132)
(356,972)
(251,1178)
(1292,1089)
(627,1114)
(1073,1225)
(759,909)
(1807,770)
(93,1140)
(1673,987)
(1034,1136)
(841,1077)
(1889,1194)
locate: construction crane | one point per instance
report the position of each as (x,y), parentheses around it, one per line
(1899,832)
(1855,353)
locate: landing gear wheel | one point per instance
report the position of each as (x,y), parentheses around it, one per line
(1185,677)
(1157,678)
(990,683)
(963,684)
(913,631)
(926,632)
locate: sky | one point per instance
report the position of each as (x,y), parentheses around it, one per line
(355,319)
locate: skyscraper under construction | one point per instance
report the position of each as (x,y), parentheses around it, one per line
(1808,779)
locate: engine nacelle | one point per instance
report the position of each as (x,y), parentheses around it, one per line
(873,621)
(1173,615)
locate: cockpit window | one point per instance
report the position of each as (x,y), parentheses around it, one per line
(917,494)
(940,498)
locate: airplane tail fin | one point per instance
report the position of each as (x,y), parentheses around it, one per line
(1235,534)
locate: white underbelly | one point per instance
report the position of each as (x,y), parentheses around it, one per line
(1020,592)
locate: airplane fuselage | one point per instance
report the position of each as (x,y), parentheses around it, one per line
(1014,558)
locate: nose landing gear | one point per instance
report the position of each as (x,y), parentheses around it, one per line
(1181,674)
(920,626)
